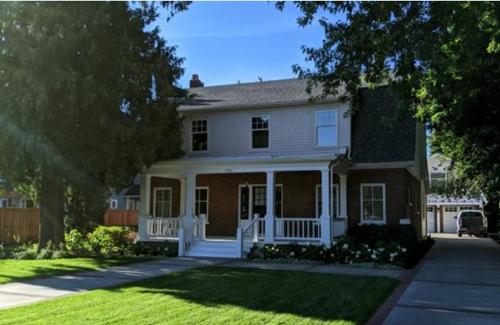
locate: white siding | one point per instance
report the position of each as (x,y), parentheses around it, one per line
(292,131)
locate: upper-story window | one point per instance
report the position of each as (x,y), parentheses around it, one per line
(199,135)
(260,131)
(438,180)
(326,128)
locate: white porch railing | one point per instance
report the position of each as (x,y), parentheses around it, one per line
(246,237)
(163,227)
(188,235)
(297,229)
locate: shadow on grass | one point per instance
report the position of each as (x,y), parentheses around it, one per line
(323,297)
(32,270)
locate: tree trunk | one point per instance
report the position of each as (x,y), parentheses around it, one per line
(491,211)
(51,210)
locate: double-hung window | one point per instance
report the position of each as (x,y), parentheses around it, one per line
(162,202)
(373,203)
(199,133)
(260,132)
(201,201)
(113,204)
(326,128)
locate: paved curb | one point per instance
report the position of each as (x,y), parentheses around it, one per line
(406,278)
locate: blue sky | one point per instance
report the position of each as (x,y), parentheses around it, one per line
(225,42)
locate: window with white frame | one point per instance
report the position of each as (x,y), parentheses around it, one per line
(132,204)
(162,202)
(326,128)
(438,180)
(113,204)
(334,206)
(201,201)
(373,203)
(199,134)
(4,203)
(260,132)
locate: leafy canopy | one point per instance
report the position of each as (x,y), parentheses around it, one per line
(443,58)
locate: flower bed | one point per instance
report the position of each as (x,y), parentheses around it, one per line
(351,250)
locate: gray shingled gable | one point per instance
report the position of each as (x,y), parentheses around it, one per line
(381,130)
(249,95)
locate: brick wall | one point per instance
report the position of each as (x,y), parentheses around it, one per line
(174,184)
(397,184)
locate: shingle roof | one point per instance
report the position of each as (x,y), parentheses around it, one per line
(134,190)
(249,95)
(382,130)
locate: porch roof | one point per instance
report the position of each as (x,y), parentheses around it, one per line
(222,165)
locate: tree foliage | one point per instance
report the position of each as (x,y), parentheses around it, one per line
(443,58)
(86,97)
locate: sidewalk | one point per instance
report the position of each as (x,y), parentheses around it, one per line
(35,290)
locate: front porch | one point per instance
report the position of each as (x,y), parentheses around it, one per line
(209,210)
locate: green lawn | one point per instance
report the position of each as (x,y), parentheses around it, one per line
(218,295)
(12,269)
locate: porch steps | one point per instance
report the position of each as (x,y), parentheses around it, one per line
(214,248)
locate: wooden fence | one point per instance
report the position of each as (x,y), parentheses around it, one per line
(21,224)
(18,224)
(121,218)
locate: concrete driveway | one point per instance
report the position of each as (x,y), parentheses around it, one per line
(458,283)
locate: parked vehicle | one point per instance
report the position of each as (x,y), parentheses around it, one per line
(472,222)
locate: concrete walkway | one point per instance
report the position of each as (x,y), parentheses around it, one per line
(458,283)
(317,268)
(35,290)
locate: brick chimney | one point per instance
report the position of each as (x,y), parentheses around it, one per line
(195,81)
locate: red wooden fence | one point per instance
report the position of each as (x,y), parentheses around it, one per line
(18,224)
(121,218)
(21,224)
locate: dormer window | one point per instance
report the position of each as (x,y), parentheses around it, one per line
(199,135)
(260,132)
(326,128)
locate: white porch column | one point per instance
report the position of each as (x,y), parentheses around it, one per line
(269,229)
(343,196)
(190,186)
(182,207)
(326,221)
(144,205)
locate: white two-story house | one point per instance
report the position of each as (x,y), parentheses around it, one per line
(263,164)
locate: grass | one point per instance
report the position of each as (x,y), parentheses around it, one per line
(14,270)
(217,295)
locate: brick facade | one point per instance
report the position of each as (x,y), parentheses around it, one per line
(401,189)
(299,195)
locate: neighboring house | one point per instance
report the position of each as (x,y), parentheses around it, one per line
(263,164)
(442,209)
(12,199)
(126,199)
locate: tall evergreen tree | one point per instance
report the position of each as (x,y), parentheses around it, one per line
(86,98)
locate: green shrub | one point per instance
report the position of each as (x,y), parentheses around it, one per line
(404,235)
(110,240)
(77,244)
(163,248)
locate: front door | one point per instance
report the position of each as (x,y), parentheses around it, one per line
(253,203)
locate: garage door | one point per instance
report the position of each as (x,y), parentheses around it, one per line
(431,220)
(449,221)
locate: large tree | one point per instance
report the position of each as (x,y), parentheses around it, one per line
(442,57)
(86,98)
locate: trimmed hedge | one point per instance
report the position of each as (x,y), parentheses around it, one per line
(404,235)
